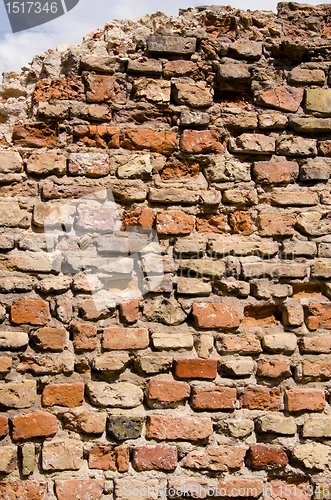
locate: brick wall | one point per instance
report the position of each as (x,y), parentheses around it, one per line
(211,130)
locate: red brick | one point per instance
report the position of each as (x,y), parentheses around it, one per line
(185,428)
(215,315)
(105,88)
(37,135)
(284,98)
(201,141)
(276,224)
(241,222)
(319,316)
(214,223)
(23,490)
(261,398)
(273,368)
(129,311)
(157,457)
(60,88)
(84,336)
(196,368)
(97,218)
(174,222)
(63,395)
(305,399)
(101,136)
(316,369)
(240,487)
(3,426)
(214,398)
(109,457)
(32,311)
(267,456)
(166,393)
(125,338)
(49,339)
(162,142)
(275,172)
(142,218)
(177,169)
(263,316)
(34,425)
(78,489)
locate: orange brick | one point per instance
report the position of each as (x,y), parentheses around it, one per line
(32,311)
(77,489)
(3,426)
(63,395)
(109,457)
(174,222)
(157,457)
(201,141)
(186,428)
(273,368)
(84,336)
(162,142)
(129,311)
(166,393)
(261,398)
(214,398)
(34,425)
(305,399)
(196,368)
(125,338)
(215,315)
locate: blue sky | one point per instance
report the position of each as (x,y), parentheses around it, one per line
(19,48)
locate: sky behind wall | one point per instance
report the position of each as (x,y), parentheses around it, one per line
(18,49)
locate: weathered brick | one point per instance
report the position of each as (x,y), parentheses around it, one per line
(209,315)
(283,98)
(317,427)
(62,454)
(173,195)
(242,247)
(307,76)
(11,214)
(48,162)
(157,457)
(291,489)
(102,136)
(84,336)
(321,269)
(85,421)
(217,458)
(312,455)
(142,217)
(260,316)
(49,339)
(147,67)
(99,218)
(305,399)
(318,100)
(166,393)
(156,91)
(197,267)
(320,370)
(192,486)
(275,171)
(280,342)
(5,364)
(324,148)
(299,248)
(23,490)
(122,427)
(261,398)
(129,311)
(246,49)
(274,270)
(105,88)
(243,344)
(142,490)
(33,425)
(171,44)
(89,164)
(18,394)
(174,222)
(185,428)
(192,286)
(277,423)
(13,340)
(238,367)
(320,344)
(272,120)
(264,456)
(3,426)
(59,88)
(32,311)
(95,309)
(162,142)
(201,141)
(215,398)
(296,146)
(241,222)
(233,72)
(8,458)
(63,395)
(109,364)
(46,364)
(79,489)
(252,143)
(318,316)
(292,313)
(120,395)
(179,68)
(240,486)
(109,457)
(289,198)
(196,368)
(273,368)
(37,135)
(125,338)
(276,224)
(172,341)
(190,93)
(153,364)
